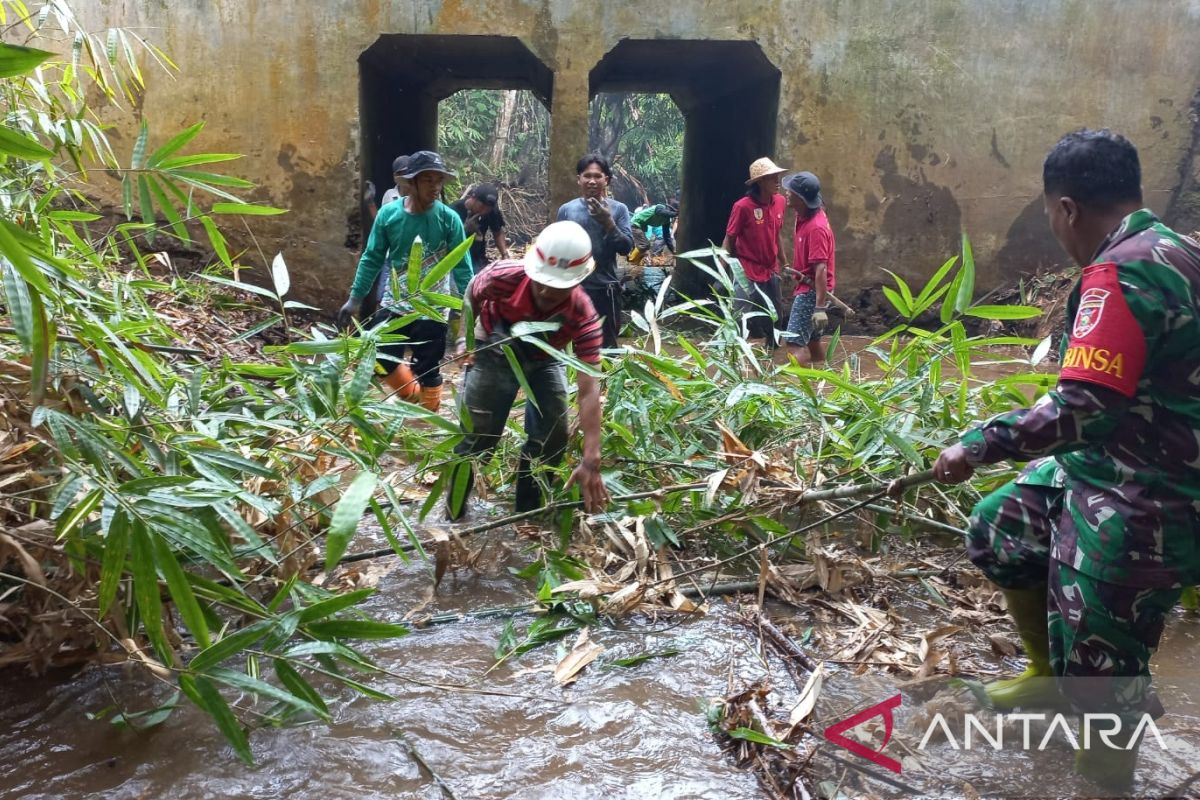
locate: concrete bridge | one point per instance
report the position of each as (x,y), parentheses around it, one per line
(922,117)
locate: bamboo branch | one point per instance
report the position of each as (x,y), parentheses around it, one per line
(513,518)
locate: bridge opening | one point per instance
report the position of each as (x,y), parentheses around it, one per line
(403,79)
(728,94)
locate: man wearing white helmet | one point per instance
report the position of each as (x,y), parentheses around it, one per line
(542,287)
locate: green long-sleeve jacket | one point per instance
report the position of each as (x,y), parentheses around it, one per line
(1123,424)
(392,238)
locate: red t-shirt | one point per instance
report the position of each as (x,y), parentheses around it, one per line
(756,228)
(814,244)
(502,293)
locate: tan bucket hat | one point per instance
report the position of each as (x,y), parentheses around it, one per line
(763,168)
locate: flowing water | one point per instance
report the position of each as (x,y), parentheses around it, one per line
(637,732)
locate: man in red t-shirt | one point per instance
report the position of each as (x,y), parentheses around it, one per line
(754,236)
(812,265)
(543,287)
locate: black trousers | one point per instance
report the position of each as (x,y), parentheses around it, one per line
(606,297)
(426,338)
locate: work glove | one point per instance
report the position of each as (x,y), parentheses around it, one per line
(368,192)
(349,312)
(820,320)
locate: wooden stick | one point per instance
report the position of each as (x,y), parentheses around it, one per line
(781,640)
(833,298)
(513,518)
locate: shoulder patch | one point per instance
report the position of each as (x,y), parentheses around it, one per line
(1106,346)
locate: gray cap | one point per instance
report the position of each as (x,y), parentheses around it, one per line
(807,186)
(426,161)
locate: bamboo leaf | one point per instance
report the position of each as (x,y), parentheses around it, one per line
(19,257)
(204,694)
(301,688)
(176,142)
(181,592)
(443,267)
(355,629)
(751,735)
(519,373)
(260,688)
(231,644)
(279,275)
(169,211)
(217,240)
(332,605)
(362,376)
(17,60)
(20,311)
(897,302)
(247,209)
(139,146)
(172,164)
(80,513)
(966,288)
(22,145)
(346,516)
(112,567)
(146,592)
(413,273)
(1003,312)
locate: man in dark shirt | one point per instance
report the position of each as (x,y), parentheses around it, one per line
(480,213)
(607,223)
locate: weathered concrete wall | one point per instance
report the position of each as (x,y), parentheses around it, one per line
(922,117)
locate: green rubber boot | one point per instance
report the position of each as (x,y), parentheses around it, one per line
(1035,687)
(1109,766)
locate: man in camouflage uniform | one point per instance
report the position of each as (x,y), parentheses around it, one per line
(1095,540)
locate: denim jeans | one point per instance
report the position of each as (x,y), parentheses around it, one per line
(491,388)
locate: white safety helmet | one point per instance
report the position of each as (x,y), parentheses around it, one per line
(561,256)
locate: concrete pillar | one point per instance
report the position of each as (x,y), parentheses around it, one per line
(568,132)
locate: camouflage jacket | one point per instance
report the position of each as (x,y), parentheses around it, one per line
(1123,423)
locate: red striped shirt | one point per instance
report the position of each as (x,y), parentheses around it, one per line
(502,293)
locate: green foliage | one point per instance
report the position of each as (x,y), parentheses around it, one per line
(876,416)
(187,495)
(471,121)
(643,135)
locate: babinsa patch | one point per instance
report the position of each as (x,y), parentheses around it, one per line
(1091,310)
(1107,346)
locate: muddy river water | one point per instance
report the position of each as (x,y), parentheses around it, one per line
(637,732)
(619,732)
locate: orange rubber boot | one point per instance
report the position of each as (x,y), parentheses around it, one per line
(402,381)
(431,397)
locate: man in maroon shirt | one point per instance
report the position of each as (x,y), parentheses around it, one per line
(812,264)
(543,287)
(753,236)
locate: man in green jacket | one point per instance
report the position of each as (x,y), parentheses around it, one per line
(398,225)
(647,222)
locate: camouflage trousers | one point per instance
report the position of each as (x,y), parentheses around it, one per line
(1101,634)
